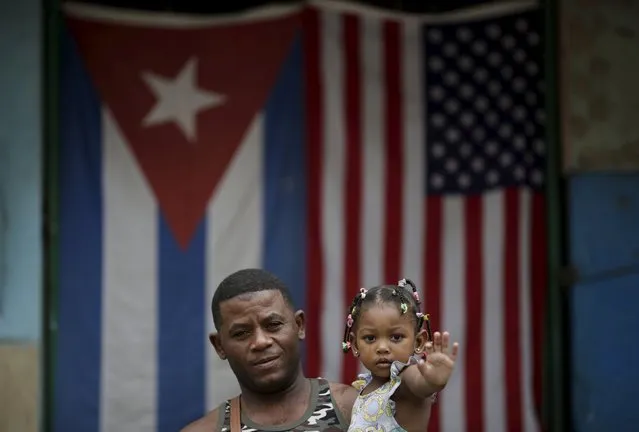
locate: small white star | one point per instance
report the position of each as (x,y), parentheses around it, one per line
(492,177)
(479,48)
(451,165)
(464,181)
(478,164)
(437,181)
(179,99)
(493,31)
(438,150)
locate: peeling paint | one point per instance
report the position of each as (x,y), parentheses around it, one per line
(600,93)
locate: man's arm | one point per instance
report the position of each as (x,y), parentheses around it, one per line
(208,423)
(344,397)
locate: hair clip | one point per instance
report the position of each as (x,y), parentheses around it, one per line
(346,346)
(420,315)
(416,296)
(404,308)
(394,292)
(362,292)
(402,283)
(349,321)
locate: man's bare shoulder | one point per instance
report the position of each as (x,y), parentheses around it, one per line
(208,423)
(344,396)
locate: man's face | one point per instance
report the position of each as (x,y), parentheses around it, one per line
(259,337)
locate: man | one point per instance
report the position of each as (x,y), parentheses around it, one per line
(259,333)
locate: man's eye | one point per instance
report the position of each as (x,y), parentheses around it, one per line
(239,334)
(274,325)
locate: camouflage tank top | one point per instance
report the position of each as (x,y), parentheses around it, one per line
(321,415)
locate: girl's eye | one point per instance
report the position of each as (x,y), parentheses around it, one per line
(369,338)
(397,338)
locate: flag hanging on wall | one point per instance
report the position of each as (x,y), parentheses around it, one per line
(335,145)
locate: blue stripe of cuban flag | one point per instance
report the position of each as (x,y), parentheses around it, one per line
(181,273)
(181,391)
(78,350)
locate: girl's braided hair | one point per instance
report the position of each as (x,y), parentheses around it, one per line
(404,294)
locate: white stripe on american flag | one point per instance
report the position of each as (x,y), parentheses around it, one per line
(414,156)
(332,218)
(129,291)
(453,308)
(530,421)
(373,186)
(233,242)
(493,396)
(373,167)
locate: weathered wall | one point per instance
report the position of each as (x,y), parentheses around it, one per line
(600,71)
(21,214)
(19,387)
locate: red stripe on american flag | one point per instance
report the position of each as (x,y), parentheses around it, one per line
(353,178)
(474,277)
(433,253)
(394,151)
(314,139)
(539,279)
(512,328)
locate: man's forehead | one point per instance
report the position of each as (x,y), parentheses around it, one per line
(260,302)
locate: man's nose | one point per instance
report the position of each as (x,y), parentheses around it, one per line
(262,340)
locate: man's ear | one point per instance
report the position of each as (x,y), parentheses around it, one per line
(214,338)
(420,341)
(300,321)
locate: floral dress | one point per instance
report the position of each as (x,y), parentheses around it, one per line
(375,412)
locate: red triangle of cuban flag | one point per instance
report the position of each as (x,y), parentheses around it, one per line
(184,96)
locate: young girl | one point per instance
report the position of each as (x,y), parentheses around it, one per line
(384,331)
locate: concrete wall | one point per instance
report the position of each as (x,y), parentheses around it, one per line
(600,43)
(600,66)
(20,214)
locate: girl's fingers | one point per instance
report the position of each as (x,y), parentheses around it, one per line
(453,354)
(445,341)
(437,342)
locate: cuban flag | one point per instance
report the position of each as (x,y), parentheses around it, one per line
(334,145)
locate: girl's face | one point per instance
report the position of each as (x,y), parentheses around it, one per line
(383,335)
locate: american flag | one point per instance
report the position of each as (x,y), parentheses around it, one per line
(427,144)
(338,146)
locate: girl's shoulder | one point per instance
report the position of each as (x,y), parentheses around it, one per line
(359,383)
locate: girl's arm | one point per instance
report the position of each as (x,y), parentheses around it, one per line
(413,381)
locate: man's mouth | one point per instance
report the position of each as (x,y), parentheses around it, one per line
(266,361)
